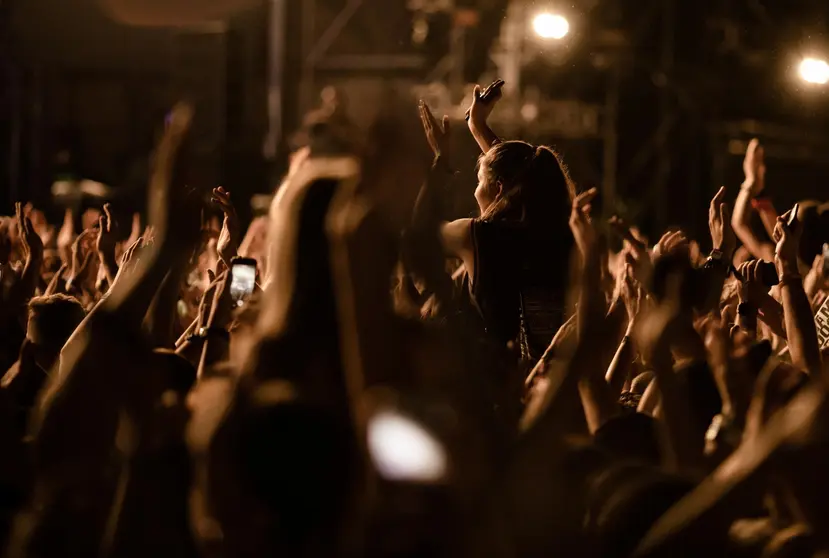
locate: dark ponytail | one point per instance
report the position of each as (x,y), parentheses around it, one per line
(536,187)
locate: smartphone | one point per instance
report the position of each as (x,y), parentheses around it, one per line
(490,92)
(242,279)
(793,216)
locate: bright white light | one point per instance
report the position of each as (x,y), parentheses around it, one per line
(403,450)
(551,26)
(813,70)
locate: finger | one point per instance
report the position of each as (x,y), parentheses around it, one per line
(210,275)
(476,93)
(101,226)
(424,118)
(752,146)
(585,198)
(429,116)
(718,197)
(108,217)
(79,238)
(445,124)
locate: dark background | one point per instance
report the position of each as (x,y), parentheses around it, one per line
(720,73)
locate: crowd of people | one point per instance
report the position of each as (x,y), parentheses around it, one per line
(532,381)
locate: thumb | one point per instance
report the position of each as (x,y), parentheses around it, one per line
(446,123)
(477,92)
(211,275)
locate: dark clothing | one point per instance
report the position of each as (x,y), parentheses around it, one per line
(520,282)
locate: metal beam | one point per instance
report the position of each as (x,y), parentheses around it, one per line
(336,27)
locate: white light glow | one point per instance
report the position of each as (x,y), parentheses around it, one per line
(814,70)
(402,450)
(551,26)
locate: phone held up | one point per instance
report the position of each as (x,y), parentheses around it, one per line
(242,279)
(792,222)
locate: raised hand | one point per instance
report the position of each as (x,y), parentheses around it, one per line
(670,242)
(754,167)
(483,101)
(788,245)
(581,224)
(635,252)
(29,239)
(633,296)
(129,260)
(437,133)
(723,237)
(228,243)
(106,242)
(80,261)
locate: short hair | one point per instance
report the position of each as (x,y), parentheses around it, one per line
(53,318)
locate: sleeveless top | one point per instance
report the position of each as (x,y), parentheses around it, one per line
(520,283)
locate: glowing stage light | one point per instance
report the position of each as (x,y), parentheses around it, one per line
(551,26)
(814,70)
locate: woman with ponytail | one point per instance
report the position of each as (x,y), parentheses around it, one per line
(517,252)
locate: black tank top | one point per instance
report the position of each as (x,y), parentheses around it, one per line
(520,284)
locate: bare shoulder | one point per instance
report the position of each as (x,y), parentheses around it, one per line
(457,236)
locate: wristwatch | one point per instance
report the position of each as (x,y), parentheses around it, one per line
(715,258)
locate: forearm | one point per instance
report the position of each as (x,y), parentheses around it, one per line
(619,369)
(741,222)
(216,349)
(598,403)
(683,443)
(423,251)
(428,210)
(800,326)
(483,134)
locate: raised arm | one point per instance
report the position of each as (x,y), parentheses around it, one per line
(800,323)
(754,168)
(483,101)
(428,235)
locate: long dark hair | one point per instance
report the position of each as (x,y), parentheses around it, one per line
(536,187)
